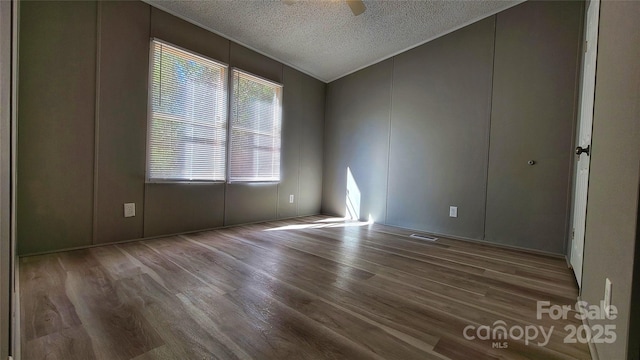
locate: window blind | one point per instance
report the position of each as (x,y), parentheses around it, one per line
(188,116)
(256,117)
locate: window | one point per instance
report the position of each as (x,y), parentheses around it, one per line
(187,137)
(256,117)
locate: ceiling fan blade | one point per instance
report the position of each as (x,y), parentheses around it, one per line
(357,6)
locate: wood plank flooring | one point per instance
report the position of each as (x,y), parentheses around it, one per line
(308,288)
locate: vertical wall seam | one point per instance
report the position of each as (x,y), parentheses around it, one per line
(14,108)
(324,150)
(386,202)
(227,150)
(10,307)
(299,133)
(96,124)
(488,134)
(279,183)
(281,118)
(14,302)
(146,139)
(321,155)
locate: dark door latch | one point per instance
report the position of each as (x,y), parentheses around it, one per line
(580,150)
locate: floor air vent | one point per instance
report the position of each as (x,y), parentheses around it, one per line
(423,237)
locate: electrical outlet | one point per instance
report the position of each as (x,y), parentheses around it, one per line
(129,209)
(453,211)
(291,199)
(607,297)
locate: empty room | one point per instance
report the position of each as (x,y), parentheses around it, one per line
(298,179)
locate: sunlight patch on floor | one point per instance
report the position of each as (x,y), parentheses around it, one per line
(325,223)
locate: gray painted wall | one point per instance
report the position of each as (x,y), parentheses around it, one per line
(56,125)
(612,210)
(7,252)
(177,31)
(121,129)
(302,119)
(357,138)
(439,139)
(82,130)
(175,208)
(533,118)
(304,106)
(443,125)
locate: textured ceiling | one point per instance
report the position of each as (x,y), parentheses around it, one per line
(323,38)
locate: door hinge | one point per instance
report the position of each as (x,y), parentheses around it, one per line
(586,46)
(573,234)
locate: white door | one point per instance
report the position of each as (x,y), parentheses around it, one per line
(585,121)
